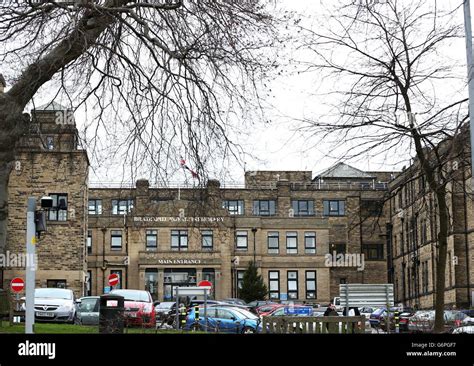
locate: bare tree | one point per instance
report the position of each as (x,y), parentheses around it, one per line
(385,58)
(168,76)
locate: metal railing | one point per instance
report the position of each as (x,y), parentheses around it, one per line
(313,324)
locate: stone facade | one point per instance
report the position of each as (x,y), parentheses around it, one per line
(198,210)
(157,238)
(49,163)
(413,235)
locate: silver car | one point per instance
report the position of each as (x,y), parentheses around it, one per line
(55,305)
(87,311)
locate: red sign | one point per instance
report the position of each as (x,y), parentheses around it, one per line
(205,284)
(17,284)
(114,279)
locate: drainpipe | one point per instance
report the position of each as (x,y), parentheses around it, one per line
(104,266)
(466,240)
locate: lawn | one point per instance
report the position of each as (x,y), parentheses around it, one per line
(51,328)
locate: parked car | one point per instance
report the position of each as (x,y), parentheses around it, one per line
(87,310)
(265,310)
(257,303)
(404,320)
(366,311)
(468,321)
(377,318)
(423,321)
(235,301)
(468,312)
(55,305)
(224,319)
(285,310)
(165,312)
(139,309)
(194,303)
(469,329)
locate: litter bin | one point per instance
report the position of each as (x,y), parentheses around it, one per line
(111,314)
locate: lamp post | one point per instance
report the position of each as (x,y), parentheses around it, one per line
(470,71)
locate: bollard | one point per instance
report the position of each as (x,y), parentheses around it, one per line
(196,312)
(183,317)
(397,321)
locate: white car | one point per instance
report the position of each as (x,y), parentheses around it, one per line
(464,330)
(55,305)
(468,321)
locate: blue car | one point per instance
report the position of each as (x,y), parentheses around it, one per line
(224,319)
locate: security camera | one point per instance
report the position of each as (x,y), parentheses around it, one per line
(46,202)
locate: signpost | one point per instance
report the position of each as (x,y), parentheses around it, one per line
(17,285)
(301,310)
(30,266)
(114,280)
(191,291)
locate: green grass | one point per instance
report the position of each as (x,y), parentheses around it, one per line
(52,328)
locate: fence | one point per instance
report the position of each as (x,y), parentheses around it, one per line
(312,324)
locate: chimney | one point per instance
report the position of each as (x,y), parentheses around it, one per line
(3,84)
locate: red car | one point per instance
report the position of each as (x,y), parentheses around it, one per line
(139,309)
(265,310)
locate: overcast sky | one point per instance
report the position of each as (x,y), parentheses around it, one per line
(291,97)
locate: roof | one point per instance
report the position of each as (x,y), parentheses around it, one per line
(342,170)
(52,106)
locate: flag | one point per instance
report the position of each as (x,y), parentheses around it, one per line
(183,164)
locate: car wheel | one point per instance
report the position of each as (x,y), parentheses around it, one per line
(248,330)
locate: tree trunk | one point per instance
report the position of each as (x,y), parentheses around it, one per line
(13,125)
(441,259)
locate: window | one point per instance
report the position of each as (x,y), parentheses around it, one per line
(273,240)
(95,207)
(264,207)
(334,208)
(240,279)
(292,242)
(59,210)
(235,207)
(118,272)
(338,248)
(274,285)
(292,285)
(371,208)
(310,284)
(303,207)
(207,238)
(342,281)
(89,284)
(89,242)
(424,232)
(121,207)
(373,251)
(151,282)
(179,240)
(310,242)
(241,240)
(50,142)
(116,240)
(56,283)
(151,239)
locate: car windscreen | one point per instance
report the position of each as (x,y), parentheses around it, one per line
(132,295)
(53,293)
(165,305)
